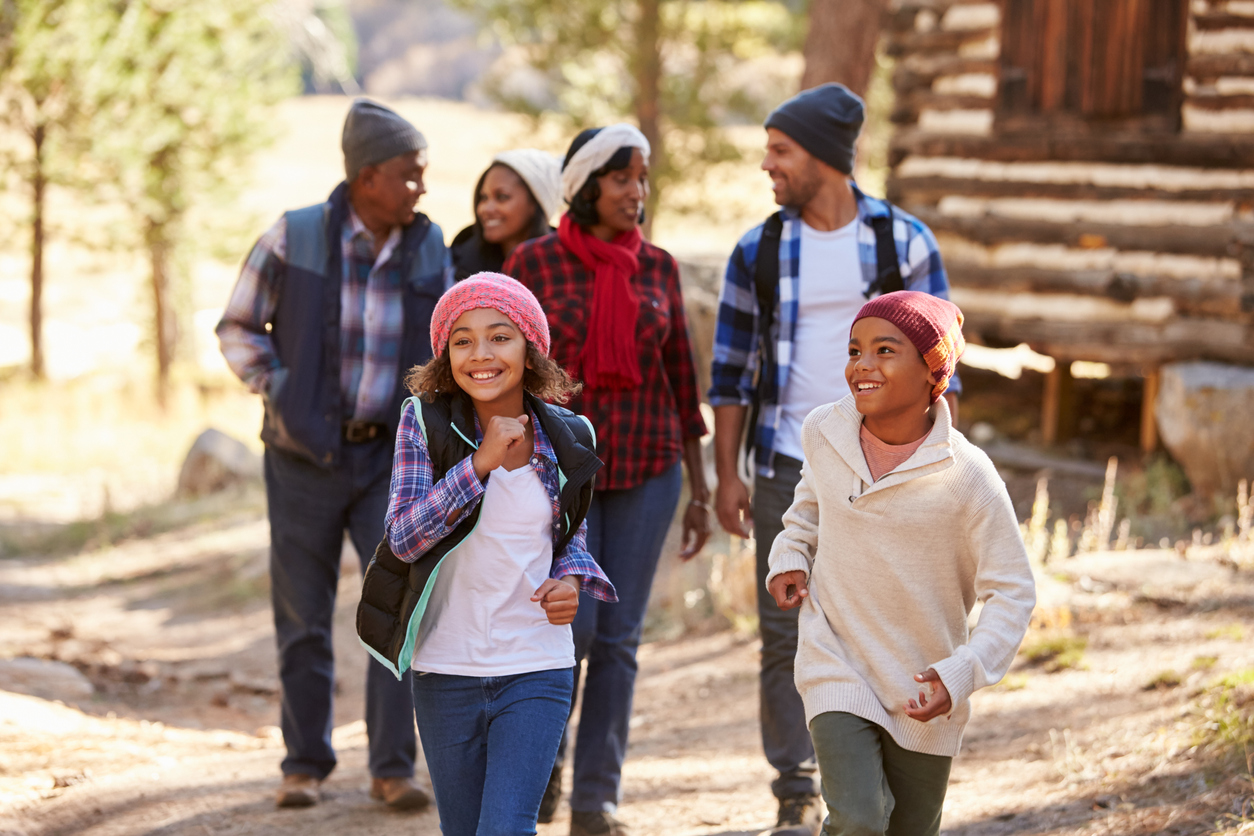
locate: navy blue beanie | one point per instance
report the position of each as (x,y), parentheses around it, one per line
(824,120)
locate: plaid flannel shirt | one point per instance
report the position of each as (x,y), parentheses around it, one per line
(418,510)
(640,432)
(736,345)
(371,316)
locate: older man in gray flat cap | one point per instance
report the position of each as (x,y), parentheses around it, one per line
(332,308)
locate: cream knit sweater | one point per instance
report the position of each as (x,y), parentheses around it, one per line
(895,567)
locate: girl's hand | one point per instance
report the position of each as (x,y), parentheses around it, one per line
(789,589)
(498,439)
(925,708)
(559,598)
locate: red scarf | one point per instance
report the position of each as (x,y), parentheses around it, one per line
(610,357)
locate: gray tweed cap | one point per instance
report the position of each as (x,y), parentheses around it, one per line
(374,133)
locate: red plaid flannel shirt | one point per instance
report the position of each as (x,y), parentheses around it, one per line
(640,432)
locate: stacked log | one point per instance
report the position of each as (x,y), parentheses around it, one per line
(1126,246)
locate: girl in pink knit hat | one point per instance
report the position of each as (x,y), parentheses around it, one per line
(478,579)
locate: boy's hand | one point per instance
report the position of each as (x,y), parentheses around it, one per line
(498,439)
(939,703)
(559,598)
(789,589)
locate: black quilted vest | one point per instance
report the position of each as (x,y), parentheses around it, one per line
(394,593)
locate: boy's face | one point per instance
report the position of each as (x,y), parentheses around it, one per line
(488,355)
(886,373)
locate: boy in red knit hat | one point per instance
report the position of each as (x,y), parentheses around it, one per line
(898,526)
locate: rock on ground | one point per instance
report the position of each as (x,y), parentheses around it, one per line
(44,678)
(1204,414)
(216,461)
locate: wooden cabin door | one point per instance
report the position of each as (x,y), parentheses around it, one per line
(1092,64)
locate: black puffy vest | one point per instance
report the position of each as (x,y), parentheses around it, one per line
(394,593)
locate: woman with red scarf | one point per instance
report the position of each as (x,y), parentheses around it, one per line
(616,317)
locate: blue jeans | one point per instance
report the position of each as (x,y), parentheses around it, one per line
(626,530)
(310,507)
(489,744)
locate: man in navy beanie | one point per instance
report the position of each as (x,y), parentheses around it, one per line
(793,286)
(332,308)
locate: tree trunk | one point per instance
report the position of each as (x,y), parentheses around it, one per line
(648,72)
(841,43)
(39,185)
(163,309)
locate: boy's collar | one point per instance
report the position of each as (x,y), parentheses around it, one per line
(842,427)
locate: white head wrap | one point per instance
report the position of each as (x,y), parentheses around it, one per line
(596,152)
(541,171)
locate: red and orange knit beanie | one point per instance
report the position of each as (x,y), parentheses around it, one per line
(932,324)
(490,290)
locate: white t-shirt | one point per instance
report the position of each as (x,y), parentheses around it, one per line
(480,620)
(829,297)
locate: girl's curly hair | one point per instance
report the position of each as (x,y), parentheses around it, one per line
(543,378)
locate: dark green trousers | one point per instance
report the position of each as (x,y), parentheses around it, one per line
(872,786)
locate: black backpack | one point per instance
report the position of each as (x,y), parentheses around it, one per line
(766,284)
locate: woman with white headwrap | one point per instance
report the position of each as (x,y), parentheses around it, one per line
(616,320)
(514,199)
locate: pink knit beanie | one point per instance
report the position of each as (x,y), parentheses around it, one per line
(490,290)
(932,324)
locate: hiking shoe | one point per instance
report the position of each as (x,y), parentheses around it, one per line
(799,815)
(552,795)
(297,790)
(598,823)
(399,793)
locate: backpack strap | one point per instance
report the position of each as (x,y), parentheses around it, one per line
(887,267)
(766,285)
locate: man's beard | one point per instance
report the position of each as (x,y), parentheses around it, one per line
(800,191)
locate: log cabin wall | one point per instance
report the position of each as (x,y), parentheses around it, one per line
(1109,220)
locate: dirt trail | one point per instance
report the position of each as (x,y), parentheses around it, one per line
(174,632)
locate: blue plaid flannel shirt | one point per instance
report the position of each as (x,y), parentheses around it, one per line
(736,349)
(418,510)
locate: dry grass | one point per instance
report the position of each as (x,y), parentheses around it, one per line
(1055,650)
(85,449)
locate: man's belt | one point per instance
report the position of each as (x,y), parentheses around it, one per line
(355,432)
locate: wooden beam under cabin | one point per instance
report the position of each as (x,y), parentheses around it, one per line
(1218,241)
(1058,404)
(1202,150)
(929,190)
(1149,411)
